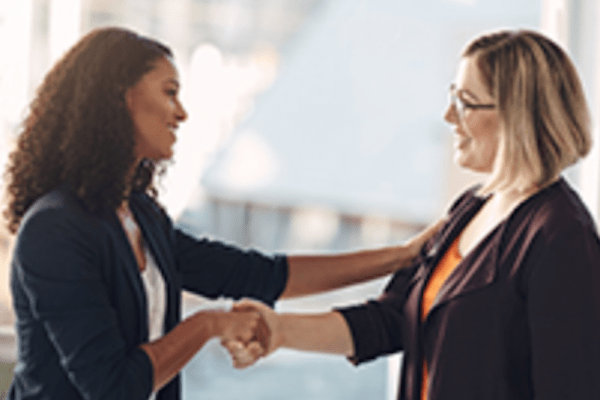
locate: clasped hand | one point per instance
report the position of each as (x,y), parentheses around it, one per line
(246,349)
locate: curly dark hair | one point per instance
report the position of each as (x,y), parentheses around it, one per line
(78,131)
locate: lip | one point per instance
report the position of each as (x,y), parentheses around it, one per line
(460,140)
(172,129)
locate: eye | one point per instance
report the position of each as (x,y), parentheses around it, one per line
(464,98)
(467,103)
(171,92)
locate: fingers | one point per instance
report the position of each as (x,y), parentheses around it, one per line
(246,333)
(431,230)
(268,330)
(262,334)
(251,305)
(243,355)
(242,326)
(415,244)
(265,326)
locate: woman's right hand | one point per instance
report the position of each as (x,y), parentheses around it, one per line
(241,325)
(266,338)
(170,353)
(322,332)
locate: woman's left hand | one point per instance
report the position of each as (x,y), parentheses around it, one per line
(414,244)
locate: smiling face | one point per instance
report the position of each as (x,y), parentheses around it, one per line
(156,111)
(476,131)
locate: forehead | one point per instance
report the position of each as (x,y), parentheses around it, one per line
(163,71)
(469,79)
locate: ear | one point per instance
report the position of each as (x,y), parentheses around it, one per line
(128,97)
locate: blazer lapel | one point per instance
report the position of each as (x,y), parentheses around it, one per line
(155,237)
(132,270)
(429,257)
(156,243)
(458,219)
(476,270)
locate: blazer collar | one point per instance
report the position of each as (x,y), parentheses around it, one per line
(151,231)
(457,220)
(476,270)
(132,271)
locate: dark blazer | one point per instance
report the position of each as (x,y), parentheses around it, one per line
(518,319)
(81,305)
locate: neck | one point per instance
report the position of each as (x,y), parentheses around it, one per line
(124,207)
(506,200)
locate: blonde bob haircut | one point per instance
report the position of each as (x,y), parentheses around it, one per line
(544,118)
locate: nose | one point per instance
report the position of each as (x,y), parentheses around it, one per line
(451,114)
(181,114)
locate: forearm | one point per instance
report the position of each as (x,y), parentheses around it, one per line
(310,274)
(170,353)
(318,273)
(325,333)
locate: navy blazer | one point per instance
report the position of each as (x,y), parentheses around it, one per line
(80,302)
(518,319)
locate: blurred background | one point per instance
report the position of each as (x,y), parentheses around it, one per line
(315,125)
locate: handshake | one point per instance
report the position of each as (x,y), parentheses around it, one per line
(250,332)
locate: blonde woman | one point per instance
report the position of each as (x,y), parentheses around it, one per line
(504,302)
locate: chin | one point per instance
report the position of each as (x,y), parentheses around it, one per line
(461,161)
(165,154)
(160,157)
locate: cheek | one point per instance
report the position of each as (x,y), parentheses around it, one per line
(143,104)
(491,124)
(150,110)
(148,118)
(485,131)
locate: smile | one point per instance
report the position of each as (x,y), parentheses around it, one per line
(461,141)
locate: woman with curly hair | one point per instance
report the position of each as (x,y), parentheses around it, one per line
(98,267)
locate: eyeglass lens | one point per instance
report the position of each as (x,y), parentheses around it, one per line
(455,101)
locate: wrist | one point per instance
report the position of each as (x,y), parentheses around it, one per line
(278,324)
(412,248)
(211,321)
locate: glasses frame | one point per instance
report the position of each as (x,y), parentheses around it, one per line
(460,105)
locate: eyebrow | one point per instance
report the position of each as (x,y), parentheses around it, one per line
(173,81)
(469,93)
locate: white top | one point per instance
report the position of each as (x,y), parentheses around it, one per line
(154,285)
(155,296)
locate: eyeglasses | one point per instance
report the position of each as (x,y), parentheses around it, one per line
(460,105)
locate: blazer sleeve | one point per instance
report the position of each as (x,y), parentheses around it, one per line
(213,269)
(377,325)
(563,305)
(57,262)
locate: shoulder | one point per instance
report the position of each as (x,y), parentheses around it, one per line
(551,227)
(556,210)
(57,214)
(57,204)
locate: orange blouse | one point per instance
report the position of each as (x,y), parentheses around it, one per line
(441,272)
